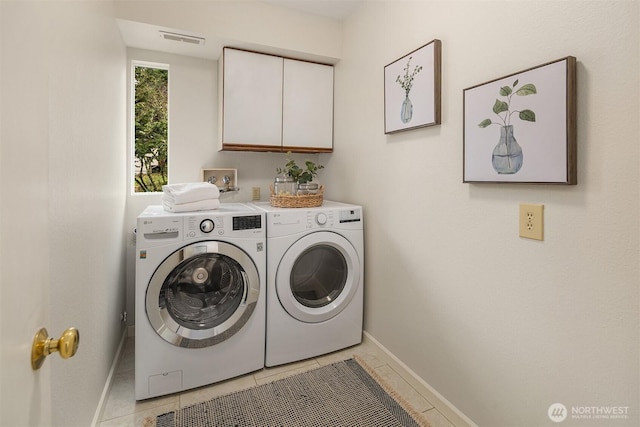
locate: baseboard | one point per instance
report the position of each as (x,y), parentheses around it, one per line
(446,408)
(107,386)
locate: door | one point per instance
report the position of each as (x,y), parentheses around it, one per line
(25,395)
(202,294)
(318,276)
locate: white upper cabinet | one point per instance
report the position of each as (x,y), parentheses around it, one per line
(269,103)
(252,99)
(307,108)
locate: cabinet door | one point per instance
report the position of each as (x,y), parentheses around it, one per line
(252,100)
(307,107)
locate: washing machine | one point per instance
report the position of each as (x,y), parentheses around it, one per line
(315,280)
(200,297)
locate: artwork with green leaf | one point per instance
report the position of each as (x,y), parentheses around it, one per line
(538,106)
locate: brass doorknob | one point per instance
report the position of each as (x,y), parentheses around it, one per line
(43,345)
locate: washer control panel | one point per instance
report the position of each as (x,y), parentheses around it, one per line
(222,225)
(199,226)
(155,226)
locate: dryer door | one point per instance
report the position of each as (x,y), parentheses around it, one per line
(202,294)
(318,276)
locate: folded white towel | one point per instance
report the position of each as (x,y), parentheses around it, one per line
(201,205)
(190,192)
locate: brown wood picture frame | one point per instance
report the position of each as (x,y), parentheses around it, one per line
(521,128)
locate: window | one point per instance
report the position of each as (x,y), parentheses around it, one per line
(151,124)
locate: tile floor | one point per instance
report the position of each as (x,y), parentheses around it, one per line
(122,410)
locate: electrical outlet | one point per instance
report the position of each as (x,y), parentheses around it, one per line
(532,221)
(255,193)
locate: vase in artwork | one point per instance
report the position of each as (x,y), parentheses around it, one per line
(507,156)
(407,110)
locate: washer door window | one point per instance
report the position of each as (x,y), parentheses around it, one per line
(318,276)
(202,294)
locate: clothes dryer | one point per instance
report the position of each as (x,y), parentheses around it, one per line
(200,297)
(315,280)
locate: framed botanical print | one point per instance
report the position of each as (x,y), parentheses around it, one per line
(412,93)
(521,128)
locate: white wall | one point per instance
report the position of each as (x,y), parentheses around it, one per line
(501,326)
(68,155)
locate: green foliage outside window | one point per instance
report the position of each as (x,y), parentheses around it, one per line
(151,128)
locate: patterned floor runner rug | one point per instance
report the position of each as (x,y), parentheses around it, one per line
(343,394)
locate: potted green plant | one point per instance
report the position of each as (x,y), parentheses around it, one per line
(295,180)
(299,175)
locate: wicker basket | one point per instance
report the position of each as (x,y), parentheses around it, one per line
(301,201)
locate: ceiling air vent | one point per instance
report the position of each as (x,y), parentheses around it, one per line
(181,38)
